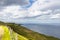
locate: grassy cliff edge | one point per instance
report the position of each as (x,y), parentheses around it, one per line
(29,34)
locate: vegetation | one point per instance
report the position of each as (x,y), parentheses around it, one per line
(26,34)
(10,35)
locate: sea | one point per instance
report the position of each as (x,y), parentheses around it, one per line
(46,29)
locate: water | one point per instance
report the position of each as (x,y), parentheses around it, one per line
(47,29)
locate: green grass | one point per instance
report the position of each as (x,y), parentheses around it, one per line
(31,35)
(8,36)
(22,33)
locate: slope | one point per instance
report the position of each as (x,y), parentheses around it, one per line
(31,35)
(7,34)
(26,34)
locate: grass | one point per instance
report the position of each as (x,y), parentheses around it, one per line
(31,35)
(21,33)
(8,36)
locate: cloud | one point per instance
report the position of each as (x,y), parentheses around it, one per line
(40,9)
(56,16)
(11,2)
(45,8)
(13,11)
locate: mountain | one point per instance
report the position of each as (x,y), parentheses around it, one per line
(18,32)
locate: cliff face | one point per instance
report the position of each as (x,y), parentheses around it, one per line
(12,31)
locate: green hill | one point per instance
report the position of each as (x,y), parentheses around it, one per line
(21,33)
(8,34)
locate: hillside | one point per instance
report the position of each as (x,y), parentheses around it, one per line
(23,33)
(8,34)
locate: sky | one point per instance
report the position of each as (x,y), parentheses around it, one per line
(30,11)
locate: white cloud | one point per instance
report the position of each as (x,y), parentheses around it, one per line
(43,5)
(15,11)
(47,9)
(56,16)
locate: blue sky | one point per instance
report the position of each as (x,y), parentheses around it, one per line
(30,11)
